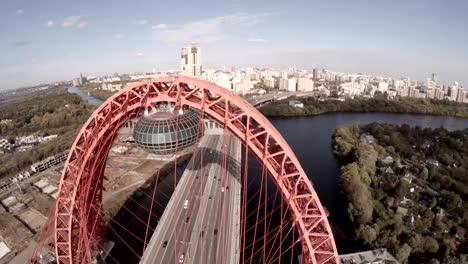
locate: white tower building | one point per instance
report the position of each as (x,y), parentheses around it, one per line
(191,63)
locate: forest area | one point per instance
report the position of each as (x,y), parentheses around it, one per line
(313,106)
(406,188)
(58,113)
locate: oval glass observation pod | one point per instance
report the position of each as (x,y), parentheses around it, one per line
(165,132)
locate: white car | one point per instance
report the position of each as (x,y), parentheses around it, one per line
(185,204)
(181,258)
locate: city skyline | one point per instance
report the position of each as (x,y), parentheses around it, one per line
(389,39)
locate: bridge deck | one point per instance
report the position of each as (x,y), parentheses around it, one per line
(207,231)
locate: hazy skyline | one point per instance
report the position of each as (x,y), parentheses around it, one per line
(53,40)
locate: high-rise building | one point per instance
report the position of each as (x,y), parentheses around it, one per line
(270,81)
(316,74)
(223,79)
(191,63)
(434,77)
(288,84)
(79,81)
(453,92)
(461,95)
(439,94)
(431,93)
(305,85)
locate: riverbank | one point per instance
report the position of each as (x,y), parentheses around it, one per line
(405,186)
(313,106)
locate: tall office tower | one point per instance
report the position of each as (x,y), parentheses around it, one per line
(434,77)
(453,93)
(190,63)
(82,79)
(315,74)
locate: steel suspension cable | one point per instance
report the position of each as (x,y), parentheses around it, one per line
(150,213)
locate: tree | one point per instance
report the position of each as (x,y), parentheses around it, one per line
(429,237)
(366,156)
(345,138)
(416,242)
(462,258)
(403,253)
(358,193)
(430,245)
(450,200)
(402,189)
(424,174)
(367,234)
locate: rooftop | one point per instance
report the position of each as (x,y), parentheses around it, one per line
(3,249)
(377,256)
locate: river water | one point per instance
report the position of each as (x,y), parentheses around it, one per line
(88,98)
(311,140)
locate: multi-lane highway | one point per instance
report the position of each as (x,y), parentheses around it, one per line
(201,221)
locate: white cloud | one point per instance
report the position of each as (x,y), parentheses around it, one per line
(51,23)
(262,40)
(74,21)
(160,26)
(19,12)
(82,24)
(206,30)
(71,21)
(141,22)
(119,36)
(139,54)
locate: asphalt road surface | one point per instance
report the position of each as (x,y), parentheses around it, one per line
(201,221)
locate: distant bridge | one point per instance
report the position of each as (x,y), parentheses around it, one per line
(262,100)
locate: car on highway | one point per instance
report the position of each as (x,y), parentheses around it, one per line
(186,204)
(181,258)
(165,244)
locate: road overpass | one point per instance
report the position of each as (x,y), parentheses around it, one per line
(261,100)
(201,221)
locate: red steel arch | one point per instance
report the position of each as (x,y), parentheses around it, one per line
(80,194)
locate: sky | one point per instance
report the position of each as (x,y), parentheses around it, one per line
(52,40)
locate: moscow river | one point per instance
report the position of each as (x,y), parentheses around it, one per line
(88,98)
